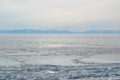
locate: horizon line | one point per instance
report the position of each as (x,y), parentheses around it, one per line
(35,31)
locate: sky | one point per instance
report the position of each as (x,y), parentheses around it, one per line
(73,15)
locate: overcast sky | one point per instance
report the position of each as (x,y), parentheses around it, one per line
(73,15)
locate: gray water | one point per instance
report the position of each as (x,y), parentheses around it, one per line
(60,57)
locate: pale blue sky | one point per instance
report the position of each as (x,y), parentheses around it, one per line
(74,15)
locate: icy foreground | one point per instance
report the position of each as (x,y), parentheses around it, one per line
(53,72)
(36,67)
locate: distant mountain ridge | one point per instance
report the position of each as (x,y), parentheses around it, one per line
(32,31)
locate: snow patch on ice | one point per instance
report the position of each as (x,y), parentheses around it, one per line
(52,60)
(105,58)
(8,62)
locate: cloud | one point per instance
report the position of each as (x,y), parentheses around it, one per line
(60,14)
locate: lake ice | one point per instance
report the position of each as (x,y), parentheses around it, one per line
(61,50)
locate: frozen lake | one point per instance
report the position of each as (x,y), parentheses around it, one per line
(96,52)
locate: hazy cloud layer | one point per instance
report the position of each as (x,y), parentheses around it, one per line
(60,14)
